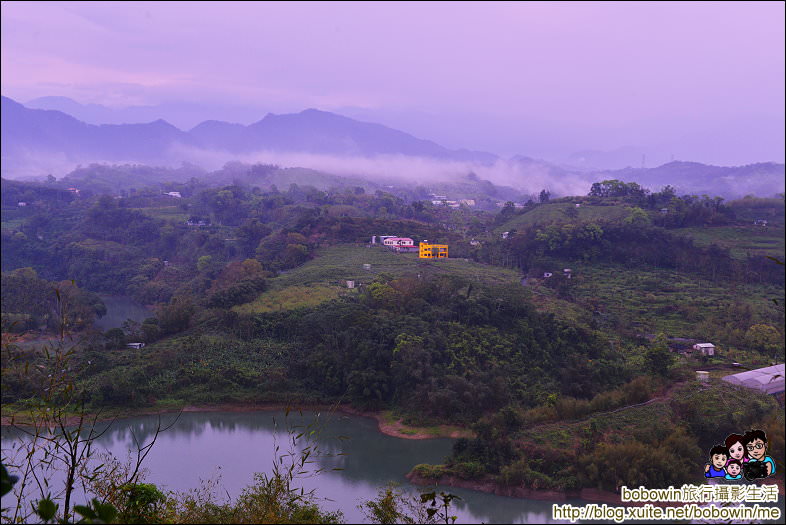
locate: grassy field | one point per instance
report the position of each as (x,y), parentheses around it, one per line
(740,240)
(345,262)
(557,213)
(652,300)
(290,298)
(324,277)
(167,213)
(13,224)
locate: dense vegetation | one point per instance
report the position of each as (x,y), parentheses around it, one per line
(247,286)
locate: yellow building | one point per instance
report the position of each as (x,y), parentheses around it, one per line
(433,251)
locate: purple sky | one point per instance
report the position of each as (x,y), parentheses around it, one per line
(704,80)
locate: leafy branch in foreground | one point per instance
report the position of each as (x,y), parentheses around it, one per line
(59,437)
(393,505)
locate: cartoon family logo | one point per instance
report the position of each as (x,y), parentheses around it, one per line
(741,455)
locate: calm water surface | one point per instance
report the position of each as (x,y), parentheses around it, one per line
(232,446)
(119,308)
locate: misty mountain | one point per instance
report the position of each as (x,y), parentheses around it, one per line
(183,115)
(314,131)
(33,137)
(31,132)
(624,157)
(764,178)
(542,166)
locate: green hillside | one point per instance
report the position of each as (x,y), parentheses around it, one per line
(559,212)
(648,300)
(741,240)
(324,278)
(345,262)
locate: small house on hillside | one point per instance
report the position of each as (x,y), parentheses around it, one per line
(136,345)
(175,194)
(705,348)
(398,241)
(760,222)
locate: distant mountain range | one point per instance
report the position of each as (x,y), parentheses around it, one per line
(624,157)
(763,178)
(35,140)
(28,132)
(183,114)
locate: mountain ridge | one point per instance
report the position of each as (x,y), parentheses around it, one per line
(310,131)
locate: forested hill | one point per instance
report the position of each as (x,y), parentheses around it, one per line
(543,313)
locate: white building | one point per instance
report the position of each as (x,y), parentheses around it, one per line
(705,348)
(769,380)
(398,241)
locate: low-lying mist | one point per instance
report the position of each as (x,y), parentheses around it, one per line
(400,169)
(525,175)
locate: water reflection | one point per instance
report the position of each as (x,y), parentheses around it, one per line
(239,444)
(119,308)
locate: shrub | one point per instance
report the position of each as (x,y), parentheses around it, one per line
(427,471)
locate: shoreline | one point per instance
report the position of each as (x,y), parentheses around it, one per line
(491,487)
(591,495)
(399,430)
(394,429)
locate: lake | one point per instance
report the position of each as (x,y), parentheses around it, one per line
(119,308)
(232,446)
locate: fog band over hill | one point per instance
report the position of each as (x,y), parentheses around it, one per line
(399,168)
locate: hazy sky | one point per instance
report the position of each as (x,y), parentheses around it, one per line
(702,80)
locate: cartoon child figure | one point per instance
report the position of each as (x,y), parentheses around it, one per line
(736,449)
(715,468)
(733,469)
(755,442)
